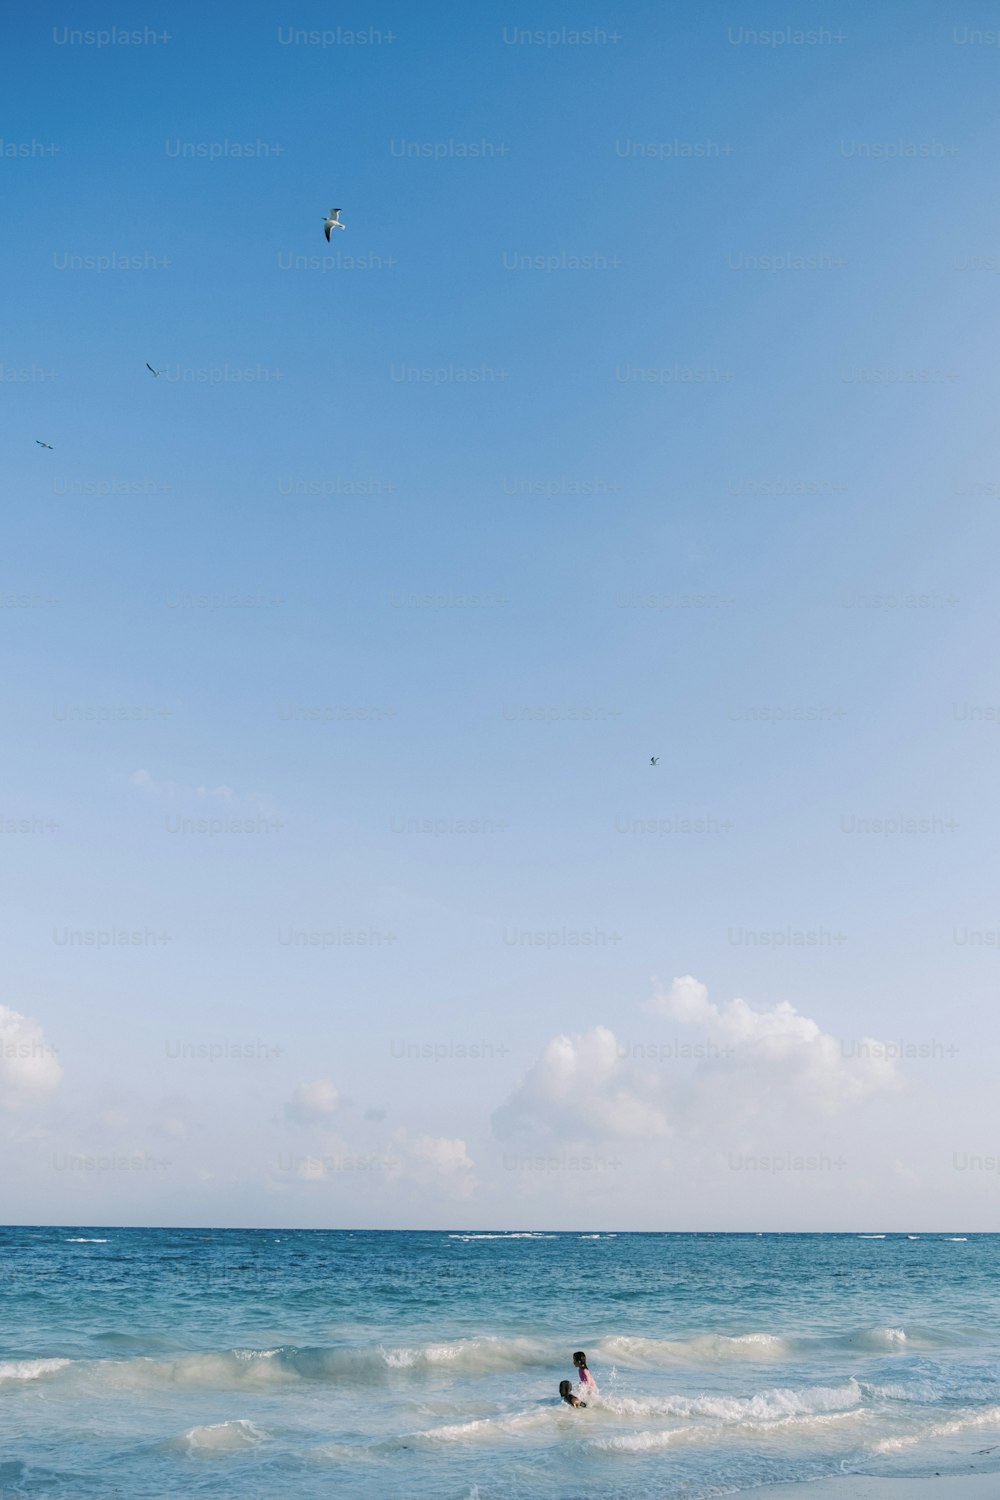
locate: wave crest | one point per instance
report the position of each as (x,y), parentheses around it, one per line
(223,1437)
(30,1369)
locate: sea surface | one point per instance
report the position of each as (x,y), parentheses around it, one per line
(301,1363)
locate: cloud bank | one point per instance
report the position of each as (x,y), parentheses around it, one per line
(29,1069)
(765,1064)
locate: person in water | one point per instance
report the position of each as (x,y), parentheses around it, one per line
(587,1381)
(566,1392)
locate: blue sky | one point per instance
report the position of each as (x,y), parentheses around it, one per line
(414,600)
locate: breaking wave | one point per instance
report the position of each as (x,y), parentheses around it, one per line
(30,1369)
(367,1364)
(222,1437)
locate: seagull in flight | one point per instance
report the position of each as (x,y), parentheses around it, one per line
(654,760)
(149,367)
(332,221)
(44,445)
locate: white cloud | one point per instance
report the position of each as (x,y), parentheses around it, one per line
(581,1088)
(438,1165)
(29,1068)
(434,1161)
(781,1049)
(144,780)
(313,1103)
(770,1065)
(259,803)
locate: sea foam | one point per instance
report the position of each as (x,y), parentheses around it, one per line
(223,1437)
(30,1369)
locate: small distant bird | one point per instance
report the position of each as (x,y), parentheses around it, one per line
(332,221)
(149,367)
(44,445)
(654,760)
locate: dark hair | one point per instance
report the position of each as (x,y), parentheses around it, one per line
(579,1355)
(564,1387)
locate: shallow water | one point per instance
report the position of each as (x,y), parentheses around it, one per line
(255,1363)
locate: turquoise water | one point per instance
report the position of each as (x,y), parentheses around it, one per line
(161,1362)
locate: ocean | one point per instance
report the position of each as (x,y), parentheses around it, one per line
(271,1363)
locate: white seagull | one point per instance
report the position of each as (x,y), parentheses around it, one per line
(44,445)
(149,367)
(332,221)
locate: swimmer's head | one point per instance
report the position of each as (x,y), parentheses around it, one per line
(564,1388)
(580,1360)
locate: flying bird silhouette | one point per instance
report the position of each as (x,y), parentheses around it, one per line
(332,221)
(149,367)
(654,760)
(44,445)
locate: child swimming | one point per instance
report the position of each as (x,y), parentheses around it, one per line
(587,1381)
(566,1392)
